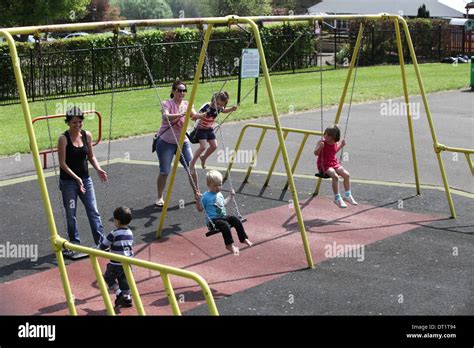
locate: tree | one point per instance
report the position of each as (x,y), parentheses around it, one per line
(221,8)
(186,8)
(100,11)
(423,12)
(29,12)
(144,9)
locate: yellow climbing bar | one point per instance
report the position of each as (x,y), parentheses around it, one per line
(265,127)
(165,272)
(467,152)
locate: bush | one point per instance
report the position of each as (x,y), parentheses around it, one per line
(86,64)
(380,47)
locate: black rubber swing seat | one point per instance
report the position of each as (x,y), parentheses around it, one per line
(322,175)
(213,231)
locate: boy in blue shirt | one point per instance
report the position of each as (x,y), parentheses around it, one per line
(120,242)
(213,202)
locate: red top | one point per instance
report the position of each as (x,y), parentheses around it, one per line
(327,158)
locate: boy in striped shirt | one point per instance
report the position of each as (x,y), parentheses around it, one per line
(120,242)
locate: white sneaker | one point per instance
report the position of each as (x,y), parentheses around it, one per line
(340,203)
(350,199)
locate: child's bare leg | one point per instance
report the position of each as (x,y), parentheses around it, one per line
(347,185)
(335,180)
(212,147)
(197,154)
(335,187)
(345,175)
(233,249)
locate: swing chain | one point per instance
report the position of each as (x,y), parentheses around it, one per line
(260,79)
(112,100)
(352,93)
(42,82)
(152,80)
(219,124)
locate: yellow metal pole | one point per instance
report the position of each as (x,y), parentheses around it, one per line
(297,158)
(197,77)
(407,103)
(275,160)
(281,141)
(207,293)
(39,170)
(170,293)
(349,73)
(133,288)
(102,286)
(127,261)
(318,186)
(469,162)
(237,147)
(455,149)
(428,115)
(255,154)
(70,300)
(185,21)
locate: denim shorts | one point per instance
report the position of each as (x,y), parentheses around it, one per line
(166,151)
(205,134)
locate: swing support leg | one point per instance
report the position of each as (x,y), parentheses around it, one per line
(349,73)
(318,186)
(54,237)
(428,115)
(197,77)
(281,140)
(407,103)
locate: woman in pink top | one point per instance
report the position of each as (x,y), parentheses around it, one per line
(173,111)
(328,164)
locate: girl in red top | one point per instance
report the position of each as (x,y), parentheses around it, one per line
(205,128)
(328,164)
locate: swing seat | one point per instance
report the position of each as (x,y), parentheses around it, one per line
(322,175)
(213,231)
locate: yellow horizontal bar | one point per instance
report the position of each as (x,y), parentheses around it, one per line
(286,129)
(187,21)
(61,242)
(442,147)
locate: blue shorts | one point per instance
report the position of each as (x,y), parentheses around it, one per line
(166,151)
(205,134)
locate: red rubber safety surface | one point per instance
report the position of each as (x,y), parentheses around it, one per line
(278,250)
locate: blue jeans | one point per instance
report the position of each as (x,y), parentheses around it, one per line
(166,151)
(70,191)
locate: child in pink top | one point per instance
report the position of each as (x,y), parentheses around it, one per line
(328,164)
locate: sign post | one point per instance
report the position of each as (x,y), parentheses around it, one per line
(249,68)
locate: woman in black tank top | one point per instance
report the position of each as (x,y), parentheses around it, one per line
(74,150)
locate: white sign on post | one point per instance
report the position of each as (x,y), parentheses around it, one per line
(250,63)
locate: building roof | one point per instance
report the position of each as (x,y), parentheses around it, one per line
(459,21)
(437,8)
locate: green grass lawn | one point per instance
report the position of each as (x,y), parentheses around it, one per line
(137,112)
